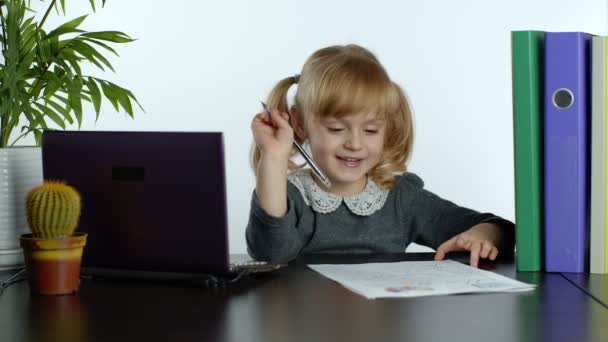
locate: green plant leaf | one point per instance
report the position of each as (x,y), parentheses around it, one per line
(103,3)
(74,98)
(105,46)
(14,17)
(52,47)
(95,95)
(63,6)
(130,94)
(73,60)
(53,83)
(28,36)
(41,58)
(34,117)
(124,100)
(62,99)
(38,136)
(109,93)
(51,114)
(88,52)
(68,70)
(76,105)
(69,27)
(28,58)
(59,109)
(84,95)
(37,87)
(109,36)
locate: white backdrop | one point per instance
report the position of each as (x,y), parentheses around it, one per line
(204,66)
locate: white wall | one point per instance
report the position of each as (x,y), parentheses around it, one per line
(204,65)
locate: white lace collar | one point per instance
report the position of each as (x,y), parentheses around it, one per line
(365,203)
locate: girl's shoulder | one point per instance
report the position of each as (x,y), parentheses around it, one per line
(408,180)
(409,188)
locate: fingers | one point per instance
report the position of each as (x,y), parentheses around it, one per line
(280,120)
(463,242)
(276,119)
(482,250)
(494,253)
(486,249)
(444,248)
(475,249)
(261,119)
(440,253)
(479,249)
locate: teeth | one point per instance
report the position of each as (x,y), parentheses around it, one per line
(350,159)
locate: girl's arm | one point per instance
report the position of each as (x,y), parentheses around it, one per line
(271,232)
(271,185)
(273,136)
(276,239)
(446,226)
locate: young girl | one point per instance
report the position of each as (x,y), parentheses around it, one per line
(358,125)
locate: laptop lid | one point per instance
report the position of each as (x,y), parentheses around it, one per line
(151,201)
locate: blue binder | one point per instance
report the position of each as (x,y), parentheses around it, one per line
(566,143)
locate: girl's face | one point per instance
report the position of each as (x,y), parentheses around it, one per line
(346,149)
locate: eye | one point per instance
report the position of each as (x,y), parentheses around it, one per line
(371,131)
(335,129)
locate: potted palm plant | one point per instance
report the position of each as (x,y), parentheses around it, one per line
(43,86)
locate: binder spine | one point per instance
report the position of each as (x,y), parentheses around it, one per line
(527,58)
(599,170)
(566,151)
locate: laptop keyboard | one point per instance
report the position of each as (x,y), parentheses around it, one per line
(254,266)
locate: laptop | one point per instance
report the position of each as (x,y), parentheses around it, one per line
(153,203)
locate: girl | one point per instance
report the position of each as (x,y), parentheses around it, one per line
(358,125)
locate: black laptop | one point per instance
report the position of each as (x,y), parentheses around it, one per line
(153,203)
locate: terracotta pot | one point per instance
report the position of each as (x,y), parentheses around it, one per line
(53,265)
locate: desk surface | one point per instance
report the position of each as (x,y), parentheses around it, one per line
(595,285)
(297,304)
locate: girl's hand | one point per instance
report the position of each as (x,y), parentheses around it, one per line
(273,135)
(480,240)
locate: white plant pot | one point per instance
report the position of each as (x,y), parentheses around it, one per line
(20,171)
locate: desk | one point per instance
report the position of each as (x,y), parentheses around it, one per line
(595,285)
(297,304)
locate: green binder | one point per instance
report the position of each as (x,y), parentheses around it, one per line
(526,51)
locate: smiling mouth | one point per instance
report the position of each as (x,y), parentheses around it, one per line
(353,160)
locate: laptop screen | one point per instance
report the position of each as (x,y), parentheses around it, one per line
(151,201)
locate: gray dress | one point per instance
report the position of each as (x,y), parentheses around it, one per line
(376,221)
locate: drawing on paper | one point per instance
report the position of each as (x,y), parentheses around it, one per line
(408,287)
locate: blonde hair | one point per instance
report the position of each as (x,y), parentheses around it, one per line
(341,80)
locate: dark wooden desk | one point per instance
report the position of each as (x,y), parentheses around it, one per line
(297,304)
(595,285)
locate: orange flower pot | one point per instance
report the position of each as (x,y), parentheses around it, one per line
(53,265)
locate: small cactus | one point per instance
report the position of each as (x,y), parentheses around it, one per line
(53,210)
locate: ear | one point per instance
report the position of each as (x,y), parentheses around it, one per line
(297,122)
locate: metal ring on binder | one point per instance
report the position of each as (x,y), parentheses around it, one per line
(563,98)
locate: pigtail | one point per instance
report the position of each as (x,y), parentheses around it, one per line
(277,99)
(398,142)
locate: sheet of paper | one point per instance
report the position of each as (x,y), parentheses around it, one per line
(417,278)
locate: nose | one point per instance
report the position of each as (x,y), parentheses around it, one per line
(353,141)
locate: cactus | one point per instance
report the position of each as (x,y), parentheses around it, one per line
(53,210)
